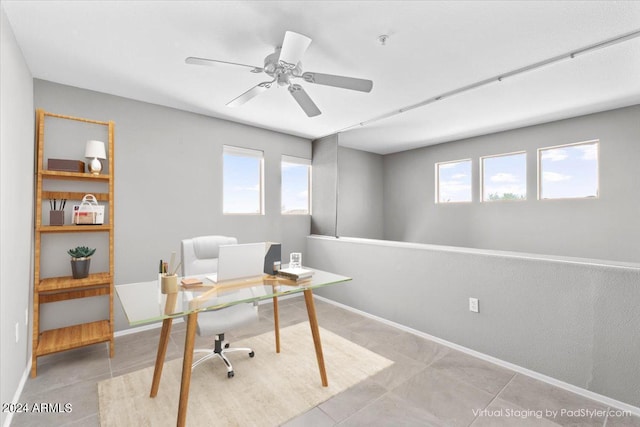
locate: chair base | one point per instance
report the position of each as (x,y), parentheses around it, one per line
(220,351)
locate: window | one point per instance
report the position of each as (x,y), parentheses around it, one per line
(453,181)
(242,181)
(504,177)
(296,184)
(568,171)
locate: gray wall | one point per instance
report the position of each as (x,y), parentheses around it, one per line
(360,194)
(324,186)
(603,228)
(16,210)
(573,321)
(168,184)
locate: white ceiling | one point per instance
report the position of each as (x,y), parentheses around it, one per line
(136,49)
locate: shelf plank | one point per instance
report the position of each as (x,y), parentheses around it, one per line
(78,119)
(55,340)
(67,283)
(74,294)
(73,228)
(73,195)
(48,174)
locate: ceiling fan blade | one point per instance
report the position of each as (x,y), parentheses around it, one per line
(250,94)
(303,99)
(352,83)
(293,47)
(213,62)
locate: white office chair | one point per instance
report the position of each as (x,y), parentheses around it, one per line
(200,256)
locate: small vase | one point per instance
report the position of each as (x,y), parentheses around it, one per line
(80,267)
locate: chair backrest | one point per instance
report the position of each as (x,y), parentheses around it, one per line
(200,254)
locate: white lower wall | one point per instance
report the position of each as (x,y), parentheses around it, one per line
(571,319)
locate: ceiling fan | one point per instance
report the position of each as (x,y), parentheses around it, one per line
(283,66)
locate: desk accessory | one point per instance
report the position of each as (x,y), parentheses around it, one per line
(88,212)
(169,283)
(272,258)
(64,165)
(56,216)
(297,274)
(190,282)
(295,260)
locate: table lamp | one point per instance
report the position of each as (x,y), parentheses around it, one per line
(95,150)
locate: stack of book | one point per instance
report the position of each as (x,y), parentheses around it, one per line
(191,282)
(296,274)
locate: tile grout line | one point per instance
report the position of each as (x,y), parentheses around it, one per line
(495,397)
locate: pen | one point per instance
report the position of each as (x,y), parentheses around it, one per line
(173,259)
(176,269)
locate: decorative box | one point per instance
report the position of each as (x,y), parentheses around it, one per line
(65,165)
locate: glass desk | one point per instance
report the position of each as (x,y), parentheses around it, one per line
(145,303)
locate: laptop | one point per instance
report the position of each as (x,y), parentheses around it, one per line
(239,262)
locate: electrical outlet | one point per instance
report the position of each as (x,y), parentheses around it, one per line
(474,305)
(17,331)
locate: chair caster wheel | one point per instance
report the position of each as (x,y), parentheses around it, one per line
(252,354)
(230,374)
(226,345)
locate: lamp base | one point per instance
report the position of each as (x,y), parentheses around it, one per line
(95,166)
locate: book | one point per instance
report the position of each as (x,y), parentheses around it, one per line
(295,273)
(190,282)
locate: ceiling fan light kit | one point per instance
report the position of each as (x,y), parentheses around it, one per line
(283,65)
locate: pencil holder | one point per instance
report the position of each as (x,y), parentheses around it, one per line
(169,283)
(56,217)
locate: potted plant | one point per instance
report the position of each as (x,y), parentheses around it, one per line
(80,261)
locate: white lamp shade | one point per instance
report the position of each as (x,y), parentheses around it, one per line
(95,149)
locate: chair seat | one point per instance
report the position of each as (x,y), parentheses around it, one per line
(219,322)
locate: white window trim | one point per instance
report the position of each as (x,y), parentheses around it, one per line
(245,152)
(437,181)
(572,144)
(299,161)
(481,167)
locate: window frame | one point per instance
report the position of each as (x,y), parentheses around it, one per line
(437,181)
(284,158)
(244,152)
(482,181)
(595,142)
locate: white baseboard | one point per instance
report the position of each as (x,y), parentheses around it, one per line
(536,375)
(18,393)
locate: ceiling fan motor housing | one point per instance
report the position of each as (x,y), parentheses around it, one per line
(280,72)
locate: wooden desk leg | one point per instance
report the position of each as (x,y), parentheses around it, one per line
(276,321)
(313,321)
(162,350)
(189,343)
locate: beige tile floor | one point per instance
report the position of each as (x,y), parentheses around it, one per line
(428,385)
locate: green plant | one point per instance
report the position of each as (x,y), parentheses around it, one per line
(81,252)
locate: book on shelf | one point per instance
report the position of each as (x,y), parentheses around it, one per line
(296,274)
